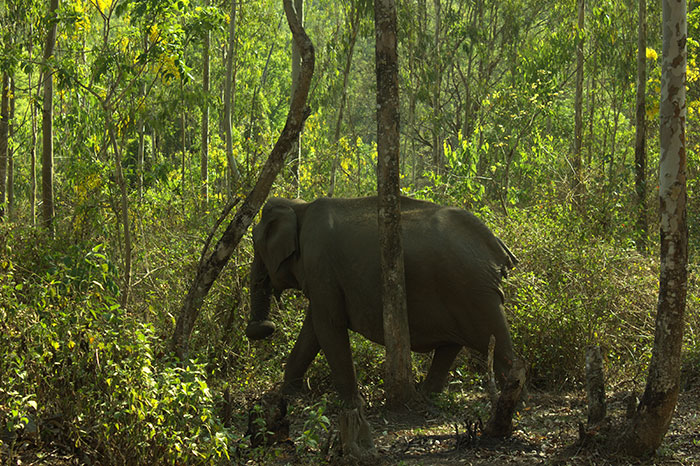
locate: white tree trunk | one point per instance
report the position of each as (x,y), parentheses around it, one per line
(653,416)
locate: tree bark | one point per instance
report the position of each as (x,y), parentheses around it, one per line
(47,122)
(640,156)
(649,424)
(398,375)
(4,138)
(211,267)
(204,188)
(578,103)
(229,95)
(296,67)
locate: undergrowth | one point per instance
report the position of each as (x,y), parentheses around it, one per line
(96,380)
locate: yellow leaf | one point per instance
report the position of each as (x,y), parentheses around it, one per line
(651,54)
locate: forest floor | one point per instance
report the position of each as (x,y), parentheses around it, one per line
(546,433)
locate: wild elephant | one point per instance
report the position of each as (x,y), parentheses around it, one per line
(329,249)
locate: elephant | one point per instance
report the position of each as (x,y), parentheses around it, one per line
(329,249)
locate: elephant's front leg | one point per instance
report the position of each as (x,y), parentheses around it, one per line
(305,350)
(443,358)
(331,331)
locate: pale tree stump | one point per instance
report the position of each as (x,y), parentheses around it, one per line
(500,424)
(490,376)
(595,385)
(356,434)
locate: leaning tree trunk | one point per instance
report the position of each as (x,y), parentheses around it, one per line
(640,156)
(650,422)
(47,122)
(398,376)
(210,268)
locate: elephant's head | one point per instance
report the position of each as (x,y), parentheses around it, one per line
(276,245)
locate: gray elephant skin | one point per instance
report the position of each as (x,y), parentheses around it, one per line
(329,249)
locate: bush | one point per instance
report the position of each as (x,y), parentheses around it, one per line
(81,368)
(572,289)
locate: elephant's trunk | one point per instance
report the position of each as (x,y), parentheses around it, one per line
(259,326)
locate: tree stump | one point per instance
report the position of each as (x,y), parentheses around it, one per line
(595,385)
(355,434)
(267,420)
(500,424)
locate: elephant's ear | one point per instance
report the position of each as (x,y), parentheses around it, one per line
(276,235)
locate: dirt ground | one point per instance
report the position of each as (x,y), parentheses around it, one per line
(546,433)
(434,434)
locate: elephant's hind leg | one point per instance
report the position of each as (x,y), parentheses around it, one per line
(443,358)
(304,352)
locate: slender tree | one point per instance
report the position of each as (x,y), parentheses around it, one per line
(32,143)
(4,138)
(229,95)
(47,121)
(354,13)
(578,104)
(11,154)
(640,156)
(205,118)
(296,68)
(398,375)
(650,422)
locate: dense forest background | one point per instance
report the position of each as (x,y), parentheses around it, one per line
(101,237)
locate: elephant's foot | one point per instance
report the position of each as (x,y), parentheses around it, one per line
(293,387)
(259,329)
(356,434)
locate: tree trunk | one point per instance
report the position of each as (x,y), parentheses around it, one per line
(437,120)
(124,205)
(4,138)
(205,120)
(640,157)
(141,130)
(296,67)
(578,103)
(398,376)
(229,94)
(211,267)
(649,424)
(10,154)
(47,122)
(595,386)
(182,139)
(354,28)
(32,158)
